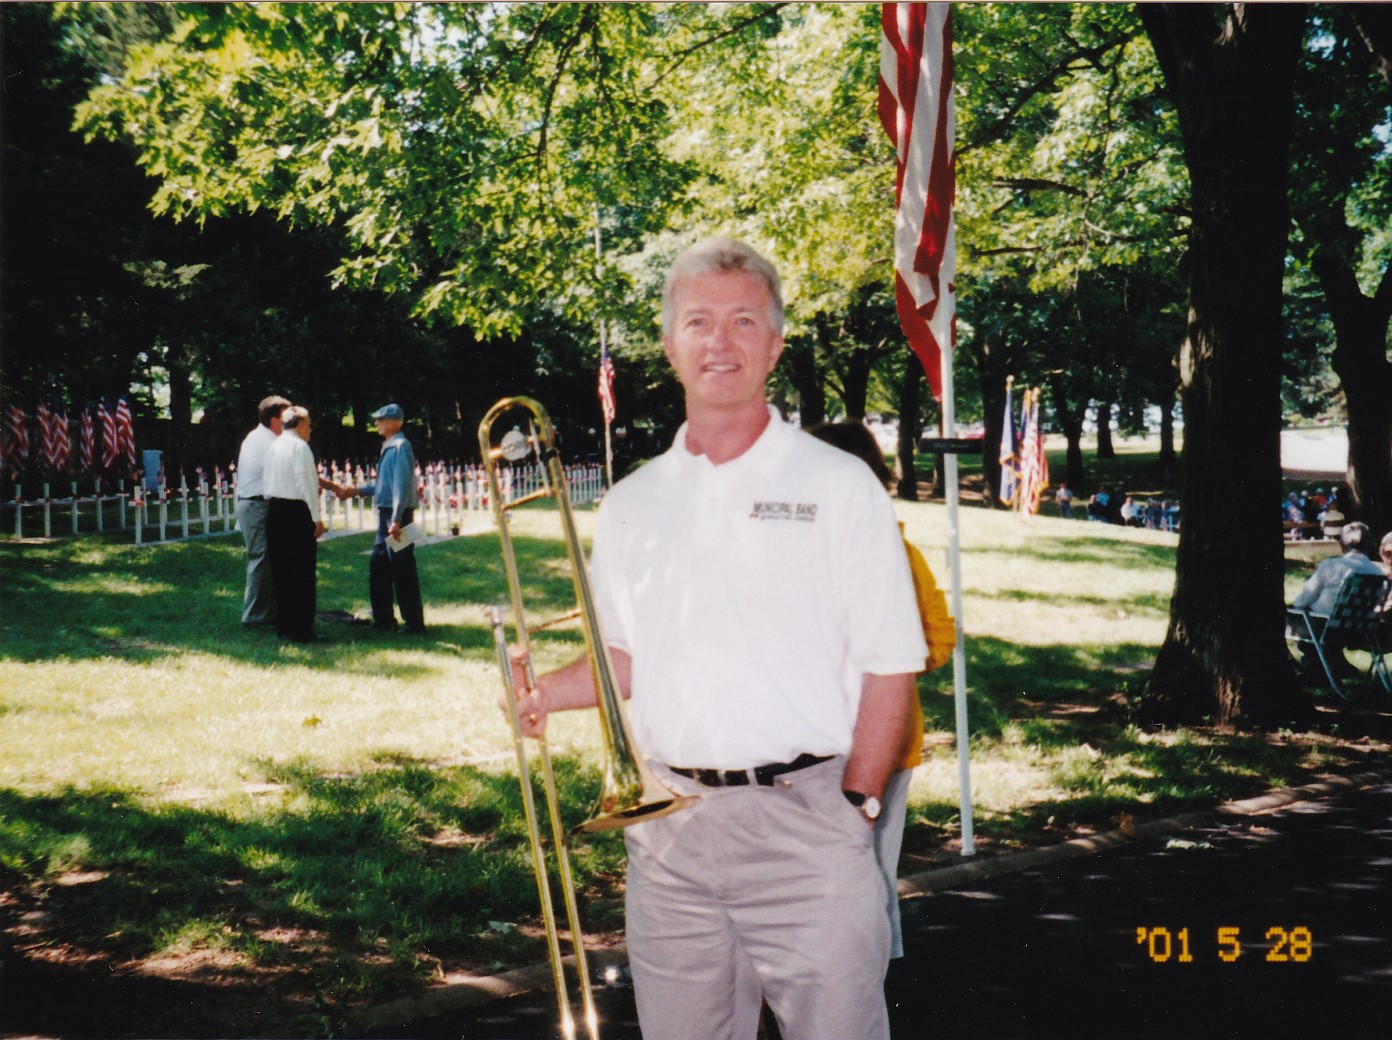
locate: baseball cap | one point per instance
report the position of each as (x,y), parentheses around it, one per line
(389,411)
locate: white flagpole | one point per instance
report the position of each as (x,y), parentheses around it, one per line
(603,350)
(608,440)
(954,566)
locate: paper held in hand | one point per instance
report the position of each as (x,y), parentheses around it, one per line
(410,535)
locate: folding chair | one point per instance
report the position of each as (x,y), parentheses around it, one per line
(1352,625)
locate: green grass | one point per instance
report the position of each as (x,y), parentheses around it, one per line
(347,815)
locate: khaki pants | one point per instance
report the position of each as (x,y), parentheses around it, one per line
(758,893)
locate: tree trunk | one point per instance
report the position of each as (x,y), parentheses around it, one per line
(855,381)
(176,361)
(1224,657)
(807,382)
(1169,463)
(1070,418)
(1360,359)
(991,373)
(1105,448)
(910,421)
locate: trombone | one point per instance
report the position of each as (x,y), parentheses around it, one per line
(630,793)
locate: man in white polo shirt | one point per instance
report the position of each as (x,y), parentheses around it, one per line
(258,602)
(753,590)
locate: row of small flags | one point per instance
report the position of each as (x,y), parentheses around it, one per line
(1024,468)
(110,429)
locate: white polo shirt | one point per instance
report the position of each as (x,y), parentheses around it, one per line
(290,472)
(251,462)
(753,597)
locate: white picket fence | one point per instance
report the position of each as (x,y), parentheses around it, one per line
(453,501)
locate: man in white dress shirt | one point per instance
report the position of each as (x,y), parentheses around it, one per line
(258,601)
(756,600)
(293,526)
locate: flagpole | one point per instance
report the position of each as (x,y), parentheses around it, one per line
(603,352)
(954,565)
(608,440)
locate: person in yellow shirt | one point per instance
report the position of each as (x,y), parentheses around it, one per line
(940,632)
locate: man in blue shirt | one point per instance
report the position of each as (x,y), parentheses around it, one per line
(1321,590)
(393,569)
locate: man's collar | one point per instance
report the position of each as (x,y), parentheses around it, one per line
(763,453)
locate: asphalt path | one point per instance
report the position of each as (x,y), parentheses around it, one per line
(1277,924)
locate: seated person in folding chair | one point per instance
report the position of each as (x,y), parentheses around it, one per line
(1385,551)
(1320,591)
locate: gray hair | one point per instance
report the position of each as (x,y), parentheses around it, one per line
(1353,536)
(722,254)
(293,416)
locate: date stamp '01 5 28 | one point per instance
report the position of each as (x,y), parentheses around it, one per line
(1287,945)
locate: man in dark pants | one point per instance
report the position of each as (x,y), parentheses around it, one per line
(294,524)
(393,567)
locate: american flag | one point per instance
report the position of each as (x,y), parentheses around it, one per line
(1034,471)
(46,432)
(109,444)
(1009,455)
(16,439)
(85,442)
(916,109)
(606,383)
(125,433)
(62,438)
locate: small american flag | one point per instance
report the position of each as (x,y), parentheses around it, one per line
(17,439)
(125,433)
(1009,454)
(109,443)
(62,438)
(86,441)
(47,445)
(606,384)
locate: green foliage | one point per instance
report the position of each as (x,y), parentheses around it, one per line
(1069,156)
(463,148)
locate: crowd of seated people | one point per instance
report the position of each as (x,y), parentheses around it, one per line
(1313,514)
(1114,506)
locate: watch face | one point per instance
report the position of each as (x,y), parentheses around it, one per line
(872,808)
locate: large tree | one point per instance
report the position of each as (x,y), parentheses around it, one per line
(1342,203)
(1230,70)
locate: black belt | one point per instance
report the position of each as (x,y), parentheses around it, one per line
(761,775)
(253,498)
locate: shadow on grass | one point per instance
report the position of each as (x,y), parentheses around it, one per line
(357,886)
(1158,604)
(1073,691)
(90,599)
(1085,546)
(1065,710)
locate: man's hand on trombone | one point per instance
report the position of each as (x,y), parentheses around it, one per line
(532,708)
(568,687)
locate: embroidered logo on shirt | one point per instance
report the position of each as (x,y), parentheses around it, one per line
(804,512)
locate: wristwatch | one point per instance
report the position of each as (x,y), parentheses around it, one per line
(868,804)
